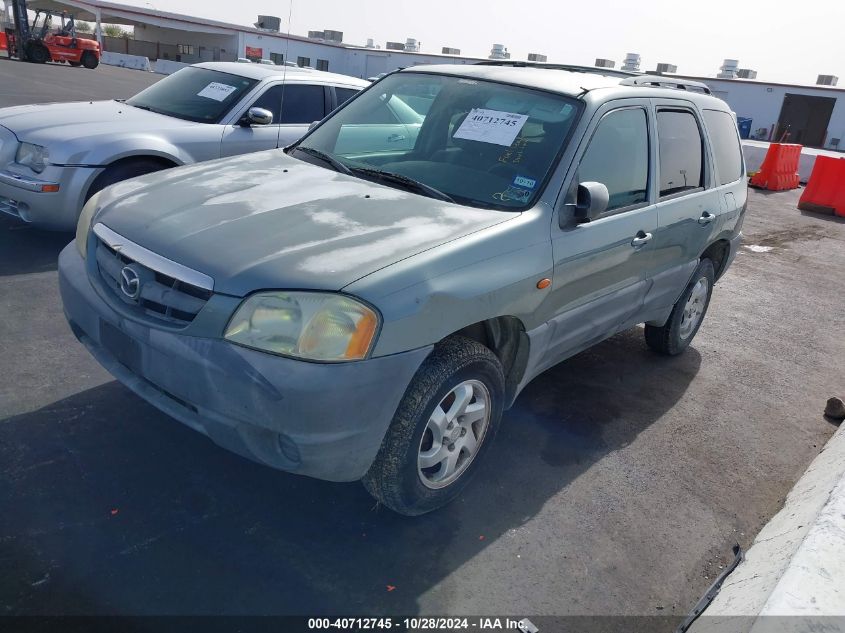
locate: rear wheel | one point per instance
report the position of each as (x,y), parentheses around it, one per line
(37,53)
(89,60)
(445,423)
(675,335)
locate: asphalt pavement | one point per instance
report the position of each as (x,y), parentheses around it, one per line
(617,485)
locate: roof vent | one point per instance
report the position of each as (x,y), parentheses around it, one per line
(605,63)
(412,45)
(663,69)
(746,73)
(537,57)
(395,46)
(729,69)
(499,51)
(827,80)
(451,51)
(632,62)
(269,23)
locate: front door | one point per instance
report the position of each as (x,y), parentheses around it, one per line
(600,266)
(242,138)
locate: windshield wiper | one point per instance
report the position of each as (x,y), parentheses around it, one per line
(326,158)
(421,187)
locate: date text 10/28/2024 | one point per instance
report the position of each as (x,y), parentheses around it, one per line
(523,625)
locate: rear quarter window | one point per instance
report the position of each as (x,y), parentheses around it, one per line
(727,151)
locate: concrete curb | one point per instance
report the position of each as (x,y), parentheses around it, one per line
(125,61)
(796,565)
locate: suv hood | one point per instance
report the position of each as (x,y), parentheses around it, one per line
(55,123)
(269,221)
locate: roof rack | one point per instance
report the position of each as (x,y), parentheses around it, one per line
(659,81)
(572,68)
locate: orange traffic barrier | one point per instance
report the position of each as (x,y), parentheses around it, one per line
(3,45)
(825,191)
(779,170)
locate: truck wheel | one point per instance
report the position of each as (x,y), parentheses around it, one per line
(123,170)
(445,423)
(38,53)
(675,335)
(89,60)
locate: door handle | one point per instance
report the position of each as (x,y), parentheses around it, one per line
(706,218)
(395,138)
(641,238)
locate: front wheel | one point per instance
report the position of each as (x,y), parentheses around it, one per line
(445,423)
(675,335)
(89,60)
(38,53)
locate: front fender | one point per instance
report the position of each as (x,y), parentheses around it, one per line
(489,274)
(103,154)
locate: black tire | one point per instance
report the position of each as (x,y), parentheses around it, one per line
(89,60)
(394,478)
(124,170)
(669,338)
(37,53)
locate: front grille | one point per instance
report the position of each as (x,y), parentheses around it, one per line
(159,297)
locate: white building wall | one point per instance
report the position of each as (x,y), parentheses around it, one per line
(762,103)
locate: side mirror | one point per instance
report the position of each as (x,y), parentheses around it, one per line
(313,125)
(257,116)
(591,201)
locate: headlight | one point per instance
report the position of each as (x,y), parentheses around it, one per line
(310,325)
(84,224)
(33,156)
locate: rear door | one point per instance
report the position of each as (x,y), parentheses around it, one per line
(688,206)
(302,104)
(600,266)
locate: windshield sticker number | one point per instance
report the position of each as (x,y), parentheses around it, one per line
(522,181)
(491,126)
(217,91)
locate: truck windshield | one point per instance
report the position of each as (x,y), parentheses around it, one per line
(475,142)
(194,94)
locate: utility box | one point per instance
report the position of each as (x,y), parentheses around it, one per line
(537,57)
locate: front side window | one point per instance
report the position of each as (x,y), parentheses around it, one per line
(194,94)
(271,100)
(727,150)
(681,152)
(617,157)
(474,142)
(303,103)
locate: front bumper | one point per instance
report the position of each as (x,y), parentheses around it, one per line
(22,195)
(322,420)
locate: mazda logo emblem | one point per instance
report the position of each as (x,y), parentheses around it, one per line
(130,283)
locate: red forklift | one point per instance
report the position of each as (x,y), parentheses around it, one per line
(39,44)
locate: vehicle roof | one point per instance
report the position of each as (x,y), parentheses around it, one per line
(262,72)
(572,81)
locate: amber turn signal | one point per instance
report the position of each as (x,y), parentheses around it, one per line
(545,282)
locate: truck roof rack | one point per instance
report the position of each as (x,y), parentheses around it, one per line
(659,81)
(570,67)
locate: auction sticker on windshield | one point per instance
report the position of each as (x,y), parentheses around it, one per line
(217,91)
(491,126)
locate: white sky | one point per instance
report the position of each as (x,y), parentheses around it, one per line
(785,41)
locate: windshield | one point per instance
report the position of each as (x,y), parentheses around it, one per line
(476,142)
(194,94)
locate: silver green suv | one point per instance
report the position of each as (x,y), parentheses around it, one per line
(367,302)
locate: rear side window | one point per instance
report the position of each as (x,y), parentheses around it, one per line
(344,94)
(303,103)
(617,157)
(726,148)
(681,152)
